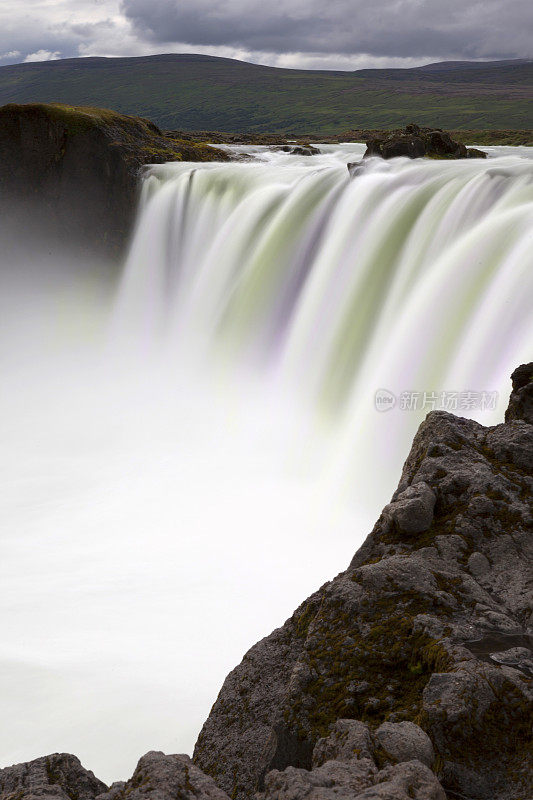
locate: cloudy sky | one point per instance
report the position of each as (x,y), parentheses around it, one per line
(339,34)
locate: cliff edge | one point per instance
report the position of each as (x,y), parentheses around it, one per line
(72,173)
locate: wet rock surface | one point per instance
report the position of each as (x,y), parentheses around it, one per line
(73,173)
(416,142)
(299,149)
(393,639)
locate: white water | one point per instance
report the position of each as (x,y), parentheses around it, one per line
(176,487)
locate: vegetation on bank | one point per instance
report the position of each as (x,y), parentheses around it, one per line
(191,92)
(486,137)
(139,138)
(71,173)
(469,137)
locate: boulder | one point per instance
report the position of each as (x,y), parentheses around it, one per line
(412,510)
(419,649)
(521,400)
(334,780)
(405,741)
(349,739)
(355,780)
(416,142)
(165,777)
(71,174)
(59,776)
(406,781)
(299,149)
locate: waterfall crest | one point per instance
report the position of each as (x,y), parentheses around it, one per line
(408,270)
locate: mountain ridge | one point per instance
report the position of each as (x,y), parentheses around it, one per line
(202,92)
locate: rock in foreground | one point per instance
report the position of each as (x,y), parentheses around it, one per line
(162,777)
(407,676)
(425,639)
(73,173)
(58,777)
(415,142)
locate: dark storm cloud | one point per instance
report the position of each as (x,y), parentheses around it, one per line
(393,28)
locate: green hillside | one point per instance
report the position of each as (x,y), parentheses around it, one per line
(192,92)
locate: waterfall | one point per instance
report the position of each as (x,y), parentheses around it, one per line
(184,462)
(413,277)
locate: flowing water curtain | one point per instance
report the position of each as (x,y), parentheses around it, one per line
(340,283)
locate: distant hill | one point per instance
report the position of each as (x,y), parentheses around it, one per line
(439,66)
(196,92)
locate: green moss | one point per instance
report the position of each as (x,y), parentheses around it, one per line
(15,795)
(304,618)
(55,777)
(501,741)
(369,667)
(137,139)
(80,119)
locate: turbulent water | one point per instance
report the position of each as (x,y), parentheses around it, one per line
(189,458)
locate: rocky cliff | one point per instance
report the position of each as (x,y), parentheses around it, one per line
(73,173)
(430,625)
(407,676)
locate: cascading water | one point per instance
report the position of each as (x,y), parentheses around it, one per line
(176,491)
(413,277)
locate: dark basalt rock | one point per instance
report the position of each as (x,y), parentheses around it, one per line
(58,777)
(474,152)
(414,633)
(356,168)
(415,142)
(72,174)
(299,149)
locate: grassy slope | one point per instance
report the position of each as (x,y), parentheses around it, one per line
(205,93)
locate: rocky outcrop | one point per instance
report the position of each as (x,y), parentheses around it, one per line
(162,777)
(61,777)
(521,400)
(352,763)
(299,149)
(58,777)
(421,648)
(416,142)
(73,173)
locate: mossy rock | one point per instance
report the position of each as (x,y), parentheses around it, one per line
(74,171)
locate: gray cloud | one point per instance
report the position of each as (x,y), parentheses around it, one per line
(382,28)
(339,34)
(40,31)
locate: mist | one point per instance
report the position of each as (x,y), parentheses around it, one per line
(173,490)
(155,526)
